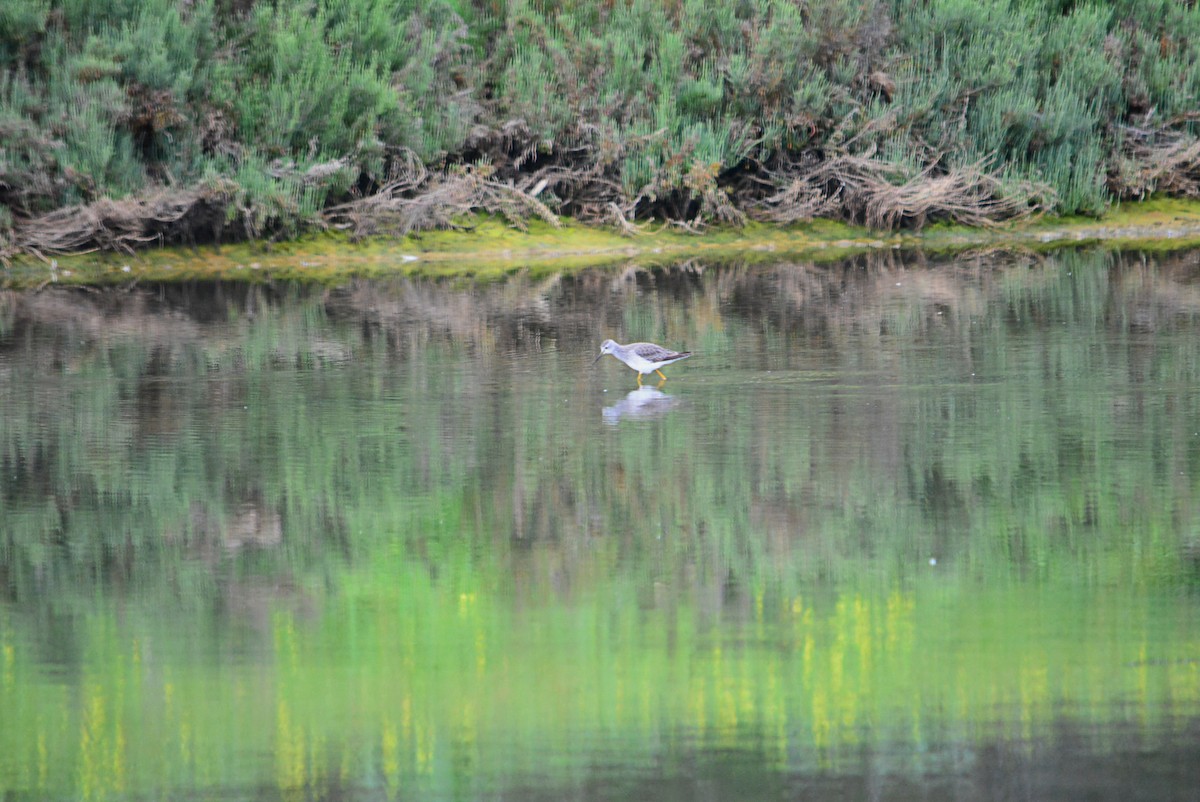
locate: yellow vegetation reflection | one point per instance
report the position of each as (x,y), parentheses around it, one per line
(812,678)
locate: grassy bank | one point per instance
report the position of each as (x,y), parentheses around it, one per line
(125,122)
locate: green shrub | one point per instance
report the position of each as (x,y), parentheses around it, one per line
(22,22)
(662,101)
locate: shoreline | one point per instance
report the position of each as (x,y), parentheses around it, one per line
(488,248)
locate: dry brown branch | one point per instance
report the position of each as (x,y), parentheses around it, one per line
(404,206)
(716,205)
(1158,161)
(122,225)
(802,199)
(886,195)
(619,219)
(967,195)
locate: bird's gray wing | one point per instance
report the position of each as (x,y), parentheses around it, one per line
(652,352)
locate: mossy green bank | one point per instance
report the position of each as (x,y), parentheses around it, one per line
(487,248)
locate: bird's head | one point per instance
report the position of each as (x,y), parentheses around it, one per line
(606,347)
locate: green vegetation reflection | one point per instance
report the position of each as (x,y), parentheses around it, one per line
(378,537)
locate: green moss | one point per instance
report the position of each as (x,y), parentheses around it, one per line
(489,248)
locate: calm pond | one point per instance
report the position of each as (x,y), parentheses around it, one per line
(898,530)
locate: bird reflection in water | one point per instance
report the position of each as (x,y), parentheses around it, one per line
(641,404)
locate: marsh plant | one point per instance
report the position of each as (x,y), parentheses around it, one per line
(219,119)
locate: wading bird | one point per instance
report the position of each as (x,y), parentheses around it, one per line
(642,357)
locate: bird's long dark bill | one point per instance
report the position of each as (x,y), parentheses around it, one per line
(597,359)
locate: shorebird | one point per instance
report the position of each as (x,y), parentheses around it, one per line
(642,357)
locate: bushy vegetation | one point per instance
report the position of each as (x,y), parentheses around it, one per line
(264,116)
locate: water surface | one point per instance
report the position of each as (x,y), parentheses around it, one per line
(897,531)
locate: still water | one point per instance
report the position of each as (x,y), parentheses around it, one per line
(898,530)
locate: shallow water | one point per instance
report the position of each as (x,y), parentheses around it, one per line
(896,531)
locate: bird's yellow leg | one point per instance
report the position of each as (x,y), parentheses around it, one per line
(639,379)
(660,373)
